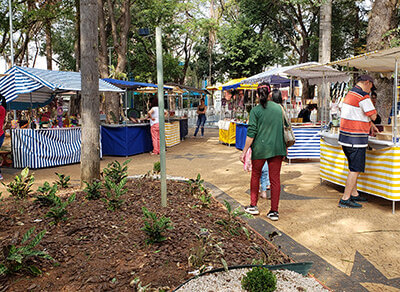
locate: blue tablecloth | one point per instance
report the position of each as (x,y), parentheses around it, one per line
(126,140)
(241,133)
(45,147)
(307,143)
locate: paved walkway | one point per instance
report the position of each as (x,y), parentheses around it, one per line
(352,250)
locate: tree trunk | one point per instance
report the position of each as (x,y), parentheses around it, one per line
(77,46)
(90,147)
(103,68)
(49,50)
(382,19)
(324,56)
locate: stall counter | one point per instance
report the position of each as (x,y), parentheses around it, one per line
(307,142)
(126,140)
(227,132)
(381,177)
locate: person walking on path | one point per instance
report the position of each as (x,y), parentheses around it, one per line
(265,137)
(3,107)
(155,126)
(355,123)
(201,118)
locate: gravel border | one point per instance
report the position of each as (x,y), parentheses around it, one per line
(287,281)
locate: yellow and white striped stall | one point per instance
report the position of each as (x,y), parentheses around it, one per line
(382,170)
(172,136)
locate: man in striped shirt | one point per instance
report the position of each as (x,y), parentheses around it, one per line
(355,123)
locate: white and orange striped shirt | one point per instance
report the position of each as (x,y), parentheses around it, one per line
(354,119)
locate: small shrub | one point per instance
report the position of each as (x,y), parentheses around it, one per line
(17,258)
(92,190)
(157,167)
(114,193)
(48,197)
(154,227)
(196,185)
(231,224)
(63,181)
(20,187)
(259,280)
(59,212)
(116,172)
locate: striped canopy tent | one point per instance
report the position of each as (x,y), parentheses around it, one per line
(26,88)
(233,84)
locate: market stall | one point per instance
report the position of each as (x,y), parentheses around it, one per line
(30,88)
(307,134)
(381,177)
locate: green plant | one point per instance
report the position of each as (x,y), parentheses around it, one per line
(48,195)
(137,284)
(196,184)
(92,190)
(154,227)
(18,258)
(232,224)
(157,167)
(205,199)
(259,279)
(59,212)
(116,172)
(20,187)
(113,193)
(63,181)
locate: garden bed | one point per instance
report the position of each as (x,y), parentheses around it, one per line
(99,249)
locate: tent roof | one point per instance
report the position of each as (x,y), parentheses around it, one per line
(128,84)
(233,84)
(312,71)
(376,61)
(188,88)
(26,88)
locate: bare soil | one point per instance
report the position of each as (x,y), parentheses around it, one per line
(100,250)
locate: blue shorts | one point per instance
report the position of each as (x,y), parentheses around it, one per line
(355,157)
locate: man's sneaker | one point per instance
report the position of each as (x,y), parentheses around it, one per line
(349,204)
(1,176)
(253,210)
(358,199)
(273,215)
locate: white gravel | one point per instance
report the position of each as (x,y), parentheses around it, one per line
(287,281)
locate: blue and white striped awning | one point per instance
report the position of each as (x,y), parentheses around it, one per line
(26,88)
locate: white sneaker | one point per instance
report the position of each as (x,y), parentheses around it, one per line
(253,210)
(273,215)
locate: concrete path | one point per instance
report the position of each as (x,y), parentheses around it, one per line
(352,250)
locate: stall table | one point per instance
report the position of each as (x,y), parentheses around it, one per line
(381,177)
(307,142)
(183,126)
(40,148)
(126,140)
(227,132)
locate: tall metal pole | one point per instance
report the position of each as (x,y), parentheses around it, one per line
(11,33)
(160,84)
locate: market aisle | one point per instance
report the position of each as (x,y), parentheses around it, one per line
(361,243)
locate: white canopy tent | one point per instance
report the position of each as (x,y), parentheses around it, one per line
(314,72)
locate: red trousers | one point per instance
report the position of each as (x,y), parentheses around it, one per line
(155,137)
(274,169)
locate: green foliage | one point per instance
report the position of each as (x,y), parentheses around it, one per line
(157,167)
(154,227)
(116,172)
(92,190)
(232,224)
(20,187)
(259,280)
(48,195)
(113,193)
(63,181)
(17,258)
(196,185)
(59,212)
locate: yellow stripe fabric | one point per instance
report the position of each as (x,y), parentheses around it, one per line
(172,137)
(382,170)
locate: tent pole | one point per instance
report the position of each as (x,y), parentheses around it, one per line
(395,94)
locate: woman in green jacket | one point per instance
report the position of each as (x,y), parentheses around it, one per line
(265,137)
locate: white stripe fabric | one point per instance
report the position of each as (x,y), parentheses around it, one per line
(307,143)
(45,147)
(353,113)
